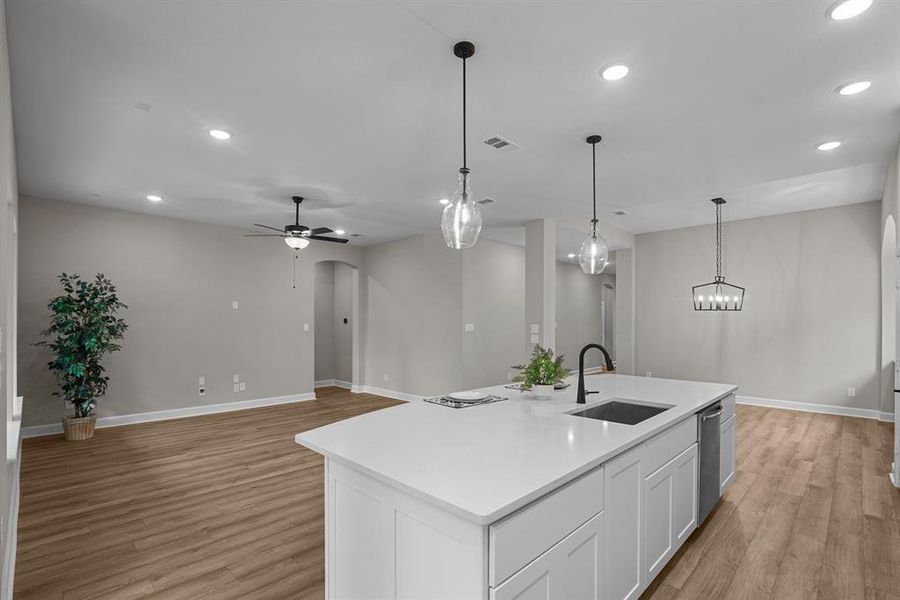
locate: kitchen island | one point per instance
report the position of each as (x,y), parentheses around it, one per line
(515,499)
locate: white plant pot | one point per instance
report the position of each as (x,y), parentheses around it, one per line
(542,392)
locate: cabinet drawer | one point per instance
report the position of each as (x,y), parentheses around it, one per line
(727,408)
(521,537)
(670,443)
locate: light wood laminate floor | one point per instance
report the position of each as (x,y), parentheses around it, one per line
(227,506)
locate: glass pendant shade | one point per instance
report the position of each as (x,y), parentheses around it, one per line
(461,221)
(594,255)
(297,243)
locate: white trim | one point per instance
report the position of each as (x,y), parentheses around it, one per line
(333,383)
(175,413)
(368,389)
(828,409)
(12,526)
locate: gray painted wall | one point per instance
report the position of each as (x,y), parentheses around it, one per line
(179,280)
(578,298)
(810,320)
(8,285)
(343,332)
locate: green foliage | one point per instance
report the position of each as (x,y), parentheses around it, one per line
(542,369)
(84,325)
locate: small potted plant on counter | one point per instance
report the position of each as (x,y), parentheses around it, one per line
(543,371)
(85,326)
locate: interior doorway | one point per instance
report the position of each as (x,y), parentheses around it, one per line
(335,327)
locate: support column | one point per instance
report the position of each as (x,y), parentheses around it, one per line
(540,284)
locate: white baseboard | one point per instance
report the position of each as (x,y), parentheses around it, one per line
(176,413)
(333,383)
(828,409)
(368,389)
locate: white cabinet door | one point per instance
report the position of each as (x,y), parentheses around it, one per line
(659,503)
(726,455)
(684,516)
(623,492)
(570,570)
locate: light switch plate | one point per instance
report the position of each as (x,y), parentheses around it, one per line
(306,327)
(234,304)
(243,386)
(535,339)
(236,388)
(470,326)
(201,381)
(236,378)
(535,328)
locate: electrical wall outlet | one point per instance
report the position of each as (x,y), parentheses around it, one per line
(243,386)
(851,392)
(306,327)
(385,377)
(234,305)
(236,388)
(236,378)
(649,374)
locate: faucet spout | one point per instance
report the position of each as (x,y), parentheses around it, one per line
(609,367)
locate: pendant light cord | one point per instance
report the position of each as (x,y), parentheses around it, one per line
(718,241)
(594,181)
(465,166)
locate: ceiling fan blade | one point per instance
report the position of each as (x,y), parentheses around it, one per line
(320,230)
(267,227)
(322,238)
(263,235)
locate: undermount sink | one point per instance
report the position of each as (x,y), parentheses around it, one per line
(621,411)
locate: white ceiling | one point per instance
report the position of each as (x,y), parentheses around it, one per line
(357,105)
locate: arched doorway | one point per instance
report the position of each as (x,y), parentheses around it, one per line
(336,325)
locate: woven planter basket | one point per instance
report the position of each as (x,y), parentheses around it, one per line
(79,428)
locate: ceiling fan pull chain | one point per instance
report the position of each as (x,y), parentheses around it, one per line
(294,277)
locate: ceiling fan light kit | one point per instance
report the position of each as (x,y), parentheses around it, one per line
(718,294)
(461,219)
(594,254)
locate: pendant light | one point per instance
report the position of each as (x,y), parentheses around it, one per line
(718,294)
(461,220)
(594,255)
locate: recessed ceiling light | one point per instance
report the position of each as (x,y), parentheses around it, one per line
(444,200)
(340,231)
(828,145)
(848,89)
(220,134)
(571,256)
(847,9)
(614,72)
(154,198)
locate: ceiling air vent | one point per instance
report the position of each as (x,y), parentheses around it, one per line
(486,201)
(356,235)
(621,213)
(501,143)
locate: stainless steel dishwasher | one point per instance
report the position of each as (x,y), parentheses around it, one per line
(710,442)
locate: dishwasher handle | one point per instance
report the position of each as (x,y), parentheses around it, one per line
(713,415)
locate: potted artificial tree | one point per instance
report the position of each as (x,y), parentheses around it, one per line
(543,371)
(85,326)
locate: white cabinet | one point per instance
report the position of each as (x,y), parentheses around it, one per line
(686,468)
(669,511)
(572,569)
(726,455)
(623,494)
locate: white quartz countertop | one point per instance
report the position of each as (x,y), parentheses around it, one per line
(484,462)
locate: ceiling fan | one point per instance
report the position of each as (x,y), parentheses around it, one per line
(295,235)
